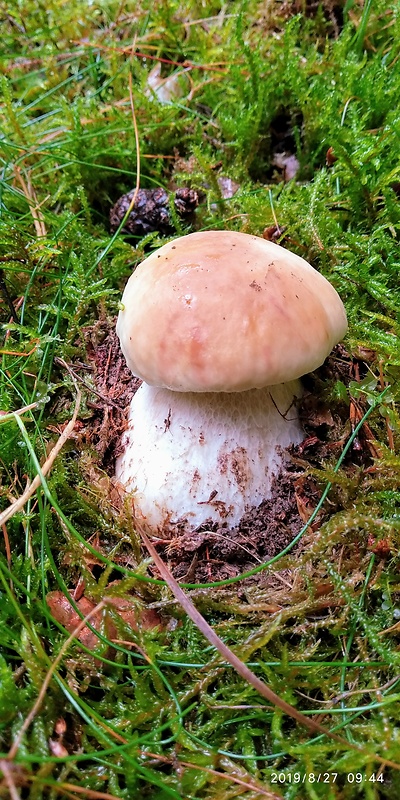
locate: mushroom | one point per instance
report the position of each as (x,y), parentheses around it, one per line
(220,326)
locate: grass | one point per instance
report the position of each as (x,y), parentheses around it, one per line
(157,713)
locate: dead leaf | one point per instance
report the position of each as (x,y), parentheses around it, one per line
(132,614)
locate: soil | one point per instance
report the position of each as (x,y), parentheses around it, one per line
(214,552)
(329,11)
(114,387)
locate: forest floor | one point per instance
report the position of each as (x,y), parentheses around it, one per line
(277,119)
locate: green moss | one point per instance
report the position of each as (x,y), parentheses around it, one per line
(158,715)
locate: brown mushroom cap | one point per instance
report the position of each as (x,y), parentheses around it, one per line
(222,311)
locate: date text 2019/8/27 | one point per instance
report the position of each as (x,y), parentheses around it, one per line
(325,777)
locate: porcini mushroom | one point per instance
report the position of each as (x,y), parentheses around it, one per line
(220,326)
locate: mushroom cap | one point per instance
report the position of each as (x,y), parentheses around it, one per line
(220,311)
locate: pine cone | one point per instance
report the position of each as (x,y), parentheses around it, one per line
(151,210)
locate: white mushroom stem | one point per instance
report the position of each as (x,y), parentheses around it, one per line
(205,455)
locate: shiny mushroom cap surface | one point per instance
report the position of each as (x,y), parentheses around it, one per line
(220,311)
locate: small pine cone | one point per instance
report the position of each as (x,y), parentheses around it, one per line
(151,211)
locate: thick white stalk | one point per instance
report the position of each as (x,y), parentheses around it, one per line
(197,456)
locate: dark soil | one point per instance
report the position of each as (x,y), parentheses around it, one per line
(114,387)
(329,12)
(214,552)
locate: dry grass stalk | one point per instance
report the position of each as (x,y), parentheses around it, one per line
(19,503)
(34,205)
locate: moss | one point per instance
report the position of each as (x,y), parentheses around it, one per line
(156,714)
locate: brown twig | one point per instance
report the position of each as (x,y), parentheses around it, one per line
(214,67)
(7,415)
